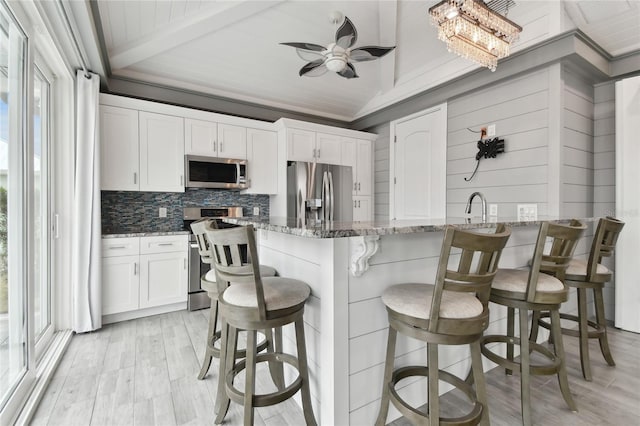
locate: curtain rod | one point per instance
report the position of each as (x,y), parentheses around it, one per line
(76,45)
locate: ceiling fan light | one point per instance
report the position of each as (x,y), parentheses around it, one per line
(336,63)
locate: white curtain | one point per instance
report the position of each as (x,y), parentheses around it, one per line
(86,232)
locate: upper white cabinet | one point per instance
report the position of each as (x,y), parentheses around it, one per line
(119,149)
(304,145)
(141,151)
(161,152)
(358,154)
(213,139)
(262,159)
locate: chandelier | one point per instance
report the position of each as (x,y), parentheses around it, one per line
(474,31)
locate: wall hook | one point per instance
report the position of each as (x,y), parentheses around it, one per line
(489,148)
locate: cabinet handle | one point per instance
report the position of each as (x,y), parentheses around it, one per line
(117,247)
(221,146)
(314,153)
(318,154)
(215,145)
(355,186)
(358,203)
(181,180)
(355,204)
(359,186)
(135,268)
(135,178)
(165,244)
(185,263)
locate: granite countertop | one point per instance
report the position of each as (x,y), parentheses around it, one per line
(390,227)
(117,234)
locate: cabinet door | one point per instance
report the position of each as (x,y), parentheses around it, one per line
(200,137)
(301,145)
(262,158)
(163,279)
(362,209)
(120,282)
(349,154)
(328,148)
(161,152)
(232,141)
(364,168)
(119,149)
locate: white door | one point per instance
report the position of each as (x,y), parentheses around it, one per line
(163,279)
(119,149)
(329,148)
(232,141)
(262,159)
(627,281)
(363,171)
(200,137)
(120,281)
(301,145)
(418,165)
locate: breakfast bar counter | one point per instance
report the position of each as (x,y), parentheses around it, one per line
(348,266)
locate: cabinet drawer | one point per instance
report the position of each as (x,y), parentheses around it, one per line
(163,244)
(120,246)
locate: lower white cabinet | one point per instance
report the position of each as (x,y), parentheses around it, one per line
(362,209)
(143,272)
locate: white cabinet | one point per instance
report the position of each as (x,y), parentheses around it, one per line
(213,139)
(362,209)
(262,161)
(141,151)
(143,272)
(304,145)
(119,149)
(161,152)
(357,153)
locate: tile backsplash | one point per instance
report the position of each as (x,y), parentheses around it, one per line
(131,211)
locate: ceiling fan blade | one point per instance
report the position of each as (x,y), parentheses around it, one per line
(369,53)
(348,72)
(306,46)
(313,69)
(346,36)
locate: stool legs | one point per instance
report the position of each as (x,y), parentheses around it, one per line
(388,371)
(556,332)
(525,372)
(478,378)
(434,392)
(583,337)
(276,369)
(250,378)
(211,339)
(304,372)
(602,326)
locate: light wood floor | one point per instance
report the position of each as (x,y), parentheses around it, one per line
(143,372)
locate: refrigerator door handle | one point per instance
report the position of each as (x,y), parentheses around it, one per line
(331,212)
(325,196)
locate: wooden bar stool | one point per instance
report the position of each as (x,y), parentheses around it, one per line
(208,283)
(250,302)
(532,290)
(583,275)
(453,311)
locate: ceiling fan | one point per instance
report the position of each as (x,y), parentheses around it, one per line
(339,55)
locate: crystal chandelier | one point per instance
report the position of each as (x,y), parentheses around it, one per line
(474,31)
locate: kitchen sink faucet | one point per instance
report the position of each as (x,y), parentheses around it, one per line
(484,204)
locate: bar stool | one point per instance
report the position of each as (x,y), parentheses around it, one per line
(208,283)
(453,311)
(583,275)
(252,303)
(532,290)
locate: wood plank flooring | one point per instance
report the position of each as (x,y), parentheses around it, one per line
(143,372)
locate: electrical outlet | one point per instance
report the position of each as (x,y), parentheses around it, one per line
(162,212)
(256,211)
(491,130)
(493,210)
(527,212)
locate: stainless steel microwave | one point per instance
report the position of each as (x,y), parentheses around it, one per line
(211,172)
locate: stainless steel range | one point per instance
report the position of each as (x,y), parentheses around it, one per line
(197,298)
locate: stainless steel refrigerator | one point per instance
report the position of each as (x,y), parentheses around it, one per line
(319,192)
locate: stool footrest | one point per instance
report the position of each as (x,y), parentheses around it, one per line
(265,399)
(536,369)
(595,332)
(418,417)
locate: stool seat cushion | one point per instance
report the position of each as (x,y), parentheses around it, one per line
(415,300)
(579,267)
(208,285)
(265,271)
(515,280)
(279,293)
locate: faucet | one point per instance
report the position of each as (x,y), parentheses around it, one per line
(484,204)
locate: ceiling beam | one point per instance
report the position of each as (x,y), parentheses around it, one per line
(185,30)
(387,15)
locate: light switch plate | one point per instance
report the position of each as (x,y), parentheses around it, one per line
(256,211)
(491,130)
(493,210)
(162,212)
(527,212)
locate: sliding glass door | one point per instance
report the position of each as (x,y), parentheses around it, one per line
(13,222)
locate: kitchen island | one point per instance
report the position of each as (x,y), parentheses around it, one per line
(348,266)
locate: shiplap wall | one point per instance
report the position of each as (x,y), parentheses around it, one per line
(577,146)
(519,108)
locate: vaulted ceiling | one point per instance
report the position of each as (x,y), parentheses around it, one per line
(231,48)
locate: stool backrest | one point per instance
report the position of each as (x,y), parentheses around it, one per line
(556,260)
(604,242)
(227,246)
(200,228)
(468,263)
